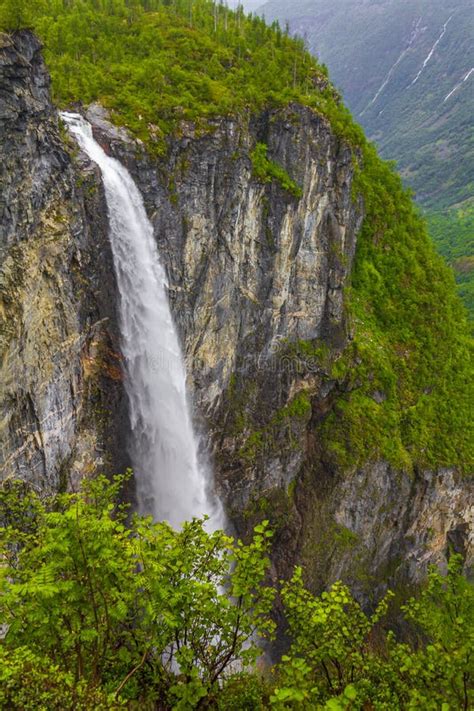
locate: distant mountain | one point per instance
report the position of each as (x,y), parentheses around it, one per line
(406,70)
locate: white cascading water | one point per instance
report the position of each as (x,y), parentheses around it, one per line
(171,484)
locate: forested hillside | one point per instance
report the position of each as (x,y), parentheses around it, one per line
(453,232)
(401,66)
(157,63)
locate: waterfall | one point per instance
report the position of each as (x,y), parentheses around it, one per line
(171,482)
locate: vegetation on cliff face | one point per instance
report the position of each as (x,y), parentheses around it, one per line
(105,615)
(453,233)
(408,369)
(267,170)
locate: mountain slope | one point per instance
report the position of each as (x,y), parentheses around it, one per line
(453,233)
(406,70)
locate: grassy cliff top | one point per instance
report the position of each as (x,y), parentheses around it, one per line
(156,63)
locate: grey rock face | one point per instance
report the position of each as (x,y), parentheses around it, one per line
(60,368)
(376,526)
(255,273)
(250,266)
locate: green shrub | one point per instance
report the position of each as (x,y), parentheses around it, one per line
(125,609)
(267,170)
(32,682)
(103,616)
(341,658)
(244,692)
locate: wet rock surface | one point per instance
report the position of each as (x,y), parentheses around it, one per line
(60,363)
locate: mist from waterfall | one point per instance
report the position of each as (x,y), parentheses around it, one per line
(171,482)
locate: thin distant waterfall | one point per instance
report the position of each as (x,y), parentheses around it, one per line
(171,482)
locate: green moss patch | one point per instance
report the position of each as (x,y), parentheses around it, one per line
(267,170)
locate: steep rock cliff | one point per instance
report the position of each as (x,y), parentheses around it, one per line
(251,267)
(60,374)
(256,274)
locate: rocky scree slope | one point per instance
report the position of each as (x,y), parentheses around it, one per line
(259,279)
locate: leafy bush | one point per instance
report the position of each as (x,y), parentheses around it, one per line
(440,671)
(330,651)
(30,682)
(128,608)
(244,692)
(103,615)
(340,658)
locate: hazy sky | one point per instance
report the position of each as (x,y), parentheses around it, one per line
(249,5)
